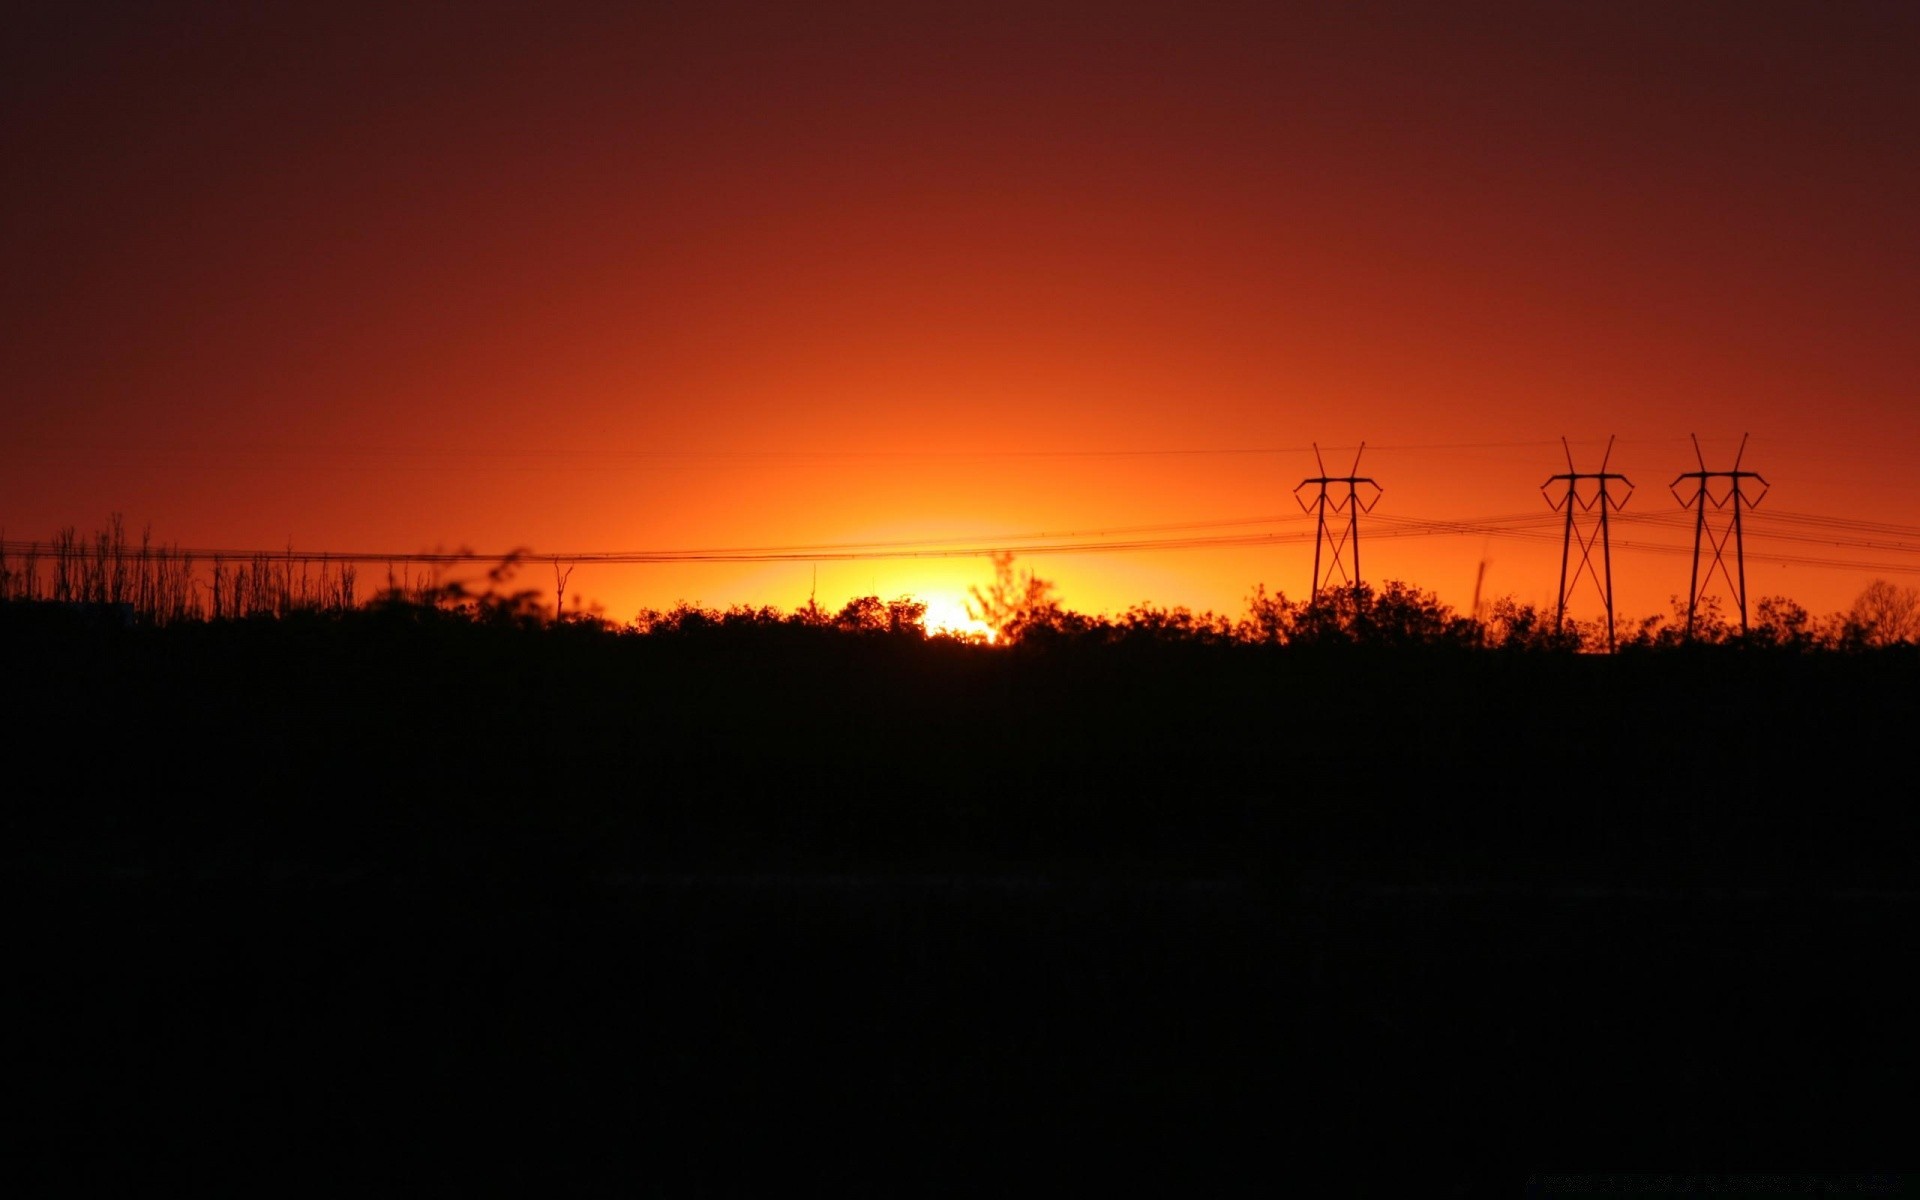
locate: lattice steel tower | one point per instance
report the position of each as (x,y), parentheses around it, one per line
(1342,544)
(1732,501)
(1600,502)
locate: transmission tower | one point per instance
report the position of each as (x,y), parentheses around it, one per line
(1598,501)
(1342,544)
(1730,502)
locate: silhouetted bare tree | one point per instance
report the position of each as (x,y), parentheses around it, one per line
(1015,603)
(1887,613)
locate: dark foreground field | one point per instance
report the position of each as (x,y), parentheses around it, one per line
(386,906)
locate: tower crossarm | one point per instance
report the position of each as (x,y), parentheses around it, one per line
(1702,488)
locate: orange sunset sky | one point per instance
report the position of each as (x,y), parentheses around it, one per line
(647,277)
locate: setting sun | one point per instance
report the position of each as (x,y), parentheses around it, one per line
(946,615)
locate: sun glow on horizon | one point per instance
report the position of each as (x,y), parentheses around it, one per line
(946,615)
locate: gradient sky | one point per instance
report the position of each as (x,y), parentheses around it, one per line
(580,277)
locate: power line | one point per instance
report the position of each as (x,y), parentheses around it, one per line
(1763,528)
(420,453)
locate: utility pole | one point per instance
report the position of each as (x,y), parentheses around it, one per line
(1342,544)
(1601,502)
(1731,501)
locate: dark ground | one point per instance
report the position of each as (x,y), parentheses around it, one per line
(400,908)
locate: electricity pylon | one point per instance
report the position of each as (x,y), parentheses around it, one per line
(1732,501)
(1599,501)
(1342,544)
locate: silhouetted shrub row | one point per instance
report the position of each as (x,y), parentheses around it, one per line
(109,579)
(1395,615)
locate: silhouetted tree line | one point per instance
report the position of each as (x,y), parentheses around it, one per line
(110,578)
(1021,609)
(465,709)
